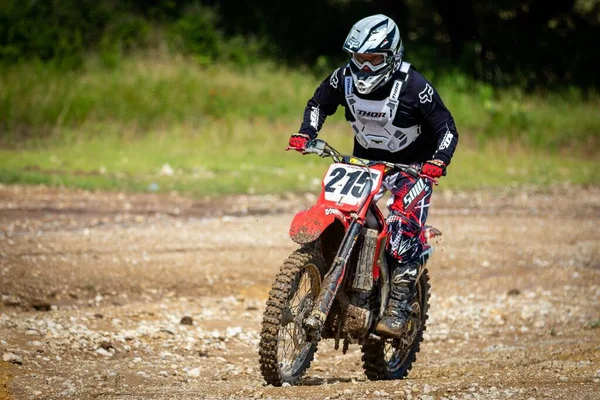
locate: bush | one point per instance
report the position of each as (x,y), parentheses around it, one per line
(123,34)
(57,31)
(195,34)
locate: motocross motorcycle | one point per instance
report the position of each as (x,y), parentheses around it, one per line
(336,285)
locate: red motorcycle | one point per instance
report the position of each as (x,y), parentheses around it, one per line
(336,285)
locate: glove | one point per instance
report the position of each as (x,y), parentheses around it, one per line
(298,141)
(434,168)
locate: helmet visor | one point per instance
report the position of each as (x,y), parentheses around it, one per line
(369,62)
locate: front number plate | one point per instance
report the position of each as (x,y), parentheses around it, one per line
(344,184)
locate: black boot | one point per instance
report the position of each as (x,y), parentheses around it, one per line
(396,319)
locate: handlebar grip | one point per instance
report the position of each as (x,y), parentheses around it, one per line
(315,146)
(409,169)
(312,150)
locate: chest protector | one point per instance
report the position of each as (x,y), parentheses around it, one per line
(373,123)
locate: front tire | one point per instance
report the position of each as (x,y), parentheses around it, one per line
(393,358)
(291,299)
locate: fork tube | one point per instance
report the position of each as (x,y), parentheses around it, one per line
(363,208)
(384,276)
(334,278)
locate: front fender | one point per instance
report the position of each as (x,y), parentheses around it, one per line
(309,224)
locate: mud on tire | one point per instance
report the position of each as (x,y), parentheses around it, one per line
(303,265)
(378,364)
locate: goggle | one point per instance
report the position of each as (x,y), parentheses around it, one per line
(369,62)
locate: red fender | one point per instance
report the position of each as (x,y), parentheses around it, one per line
(309,224)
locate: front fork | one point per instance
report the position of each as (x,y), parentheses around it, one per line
(333,280)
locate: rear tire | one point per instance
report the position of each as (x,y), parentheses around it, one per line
(393,358)
(282,325)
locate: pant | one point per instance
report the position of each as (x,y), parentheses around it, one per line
(409,207)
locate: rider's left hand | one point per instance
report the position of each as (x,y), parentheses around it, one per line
(434,168)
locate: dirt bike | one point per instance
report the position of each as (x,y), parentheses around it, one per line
(336,285)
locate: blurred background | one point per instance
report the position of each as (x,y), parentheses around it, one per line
(200,97)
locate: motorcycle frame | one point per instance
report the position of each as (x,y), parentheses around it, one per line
(312,224)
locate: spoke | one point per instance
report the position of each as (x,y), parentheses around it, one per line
(288,348)
(285,359)
(298,289)
(306,285)
(286,343)
(287,332)
(290,353)
(292,343)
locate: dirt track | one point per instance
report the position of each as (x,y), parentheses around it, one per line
(94,287)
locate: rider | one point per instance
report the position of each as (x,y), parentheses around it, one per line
(397,116)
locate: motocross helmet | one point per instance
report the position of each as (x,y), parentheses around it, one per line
(375,49)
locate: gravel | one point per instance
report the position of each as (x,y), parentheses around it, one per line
(117,296)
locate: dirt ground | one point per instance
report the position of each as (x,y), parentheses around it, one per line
(94,287)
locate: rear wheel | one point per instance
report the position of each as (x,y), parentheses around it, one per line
(393,358)
(285,349)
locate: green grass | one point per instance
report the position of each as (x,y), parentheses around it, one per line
(223,130)
(38,101)
(249,157)
(144,93)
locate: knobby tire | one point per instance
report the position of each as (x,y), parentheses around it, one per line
(375,364)
(282,292)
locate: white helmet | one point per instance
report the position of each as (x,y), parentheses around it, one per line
(375,49)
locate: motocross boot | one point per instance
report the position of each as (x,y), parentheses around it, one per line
(396,319)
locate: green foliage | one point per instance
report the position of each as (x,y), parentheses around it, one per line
(63,33)
(223,130)
(244,51)
(91,86)
(195,34)
(520,43)
(122,35)
(57,31)
(554,121)
(37,100)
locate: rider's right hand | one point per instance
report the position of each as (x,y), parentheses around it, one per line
(298,141)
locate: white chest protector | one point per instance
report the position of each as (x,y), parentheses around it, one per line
(373,124)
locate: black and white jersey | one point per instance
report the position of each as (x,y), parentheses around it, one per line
(403,121)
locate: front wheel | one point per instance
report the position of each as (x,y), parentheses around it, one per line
(285,349)
(393,358)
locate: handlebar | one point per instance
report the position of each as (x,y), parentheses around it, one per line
(323,149)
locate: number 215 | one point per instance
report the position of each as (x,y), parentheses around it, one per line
(355,183)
